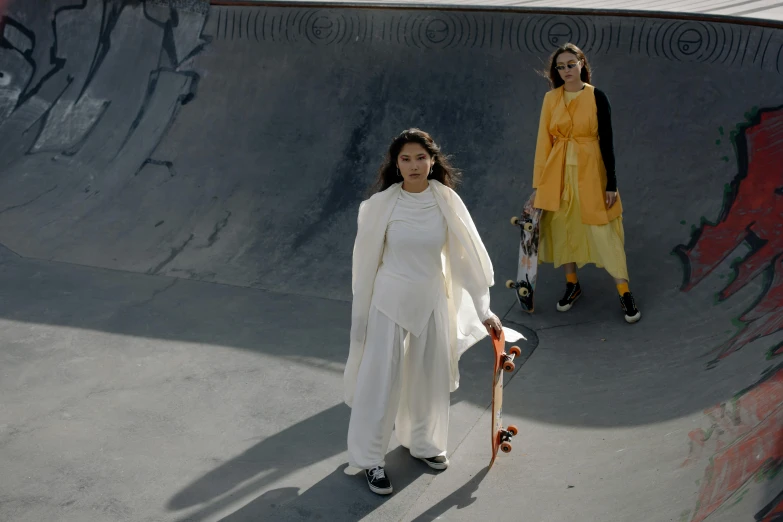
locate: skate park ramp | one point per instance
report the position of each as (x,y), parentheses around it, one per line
(179,185)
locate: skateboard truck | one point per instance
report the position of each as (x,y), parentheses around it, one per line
(527,225)
(504,438)
(522,288)
(508,358)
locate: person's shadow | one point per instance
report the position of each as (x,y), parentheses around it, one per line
(460,499)
(311,441)
(328,500)
(336,497)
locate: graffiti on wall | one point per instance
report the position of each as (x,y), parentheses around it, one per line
(50,102)
(745,440)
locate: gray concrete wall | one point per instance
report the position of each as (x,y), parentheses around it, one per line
(233,145)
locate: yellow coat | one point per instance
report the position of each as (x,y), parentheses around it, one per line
(578,123)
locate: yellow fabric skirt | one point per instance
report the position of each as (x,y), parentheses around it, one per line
(565,239)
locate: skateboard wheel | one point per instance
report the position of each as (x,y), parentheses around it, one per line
(512,430)
(510,284)
(515,220)
(528,227)
(508,366)
(524,292)
(516,351)
(505,447)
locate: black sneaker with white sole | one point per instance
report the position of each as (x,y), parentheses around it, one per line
(632,314)
(440,462)
(572,293)
(378,481)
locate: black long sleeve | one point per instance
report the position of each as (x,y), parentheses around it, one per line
(606,138)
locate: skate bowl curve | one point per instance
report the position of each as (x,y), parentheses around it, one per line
(229,146)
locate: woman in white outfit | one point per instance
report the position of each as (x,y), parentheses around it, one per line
(421,279)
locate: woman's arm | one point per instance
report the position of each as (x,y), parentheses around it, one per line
(469,260)
(367,253)
(606,138)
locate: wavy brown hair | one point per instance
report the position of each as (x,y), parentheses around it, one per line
(442,170)
(553,75)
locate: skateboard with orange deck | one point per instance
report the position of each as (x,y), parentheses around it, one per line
(504,362)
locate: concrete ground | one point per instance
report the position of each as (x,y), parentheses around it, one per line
(178,194)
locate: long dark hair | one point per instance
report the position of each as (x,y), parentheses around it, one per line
(553,75)
(442,170)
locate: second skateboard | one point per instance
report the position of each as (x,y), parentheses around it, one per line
(529,224)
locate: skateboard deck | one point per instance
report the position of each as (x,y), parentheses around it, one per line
(527,268)
(503,362)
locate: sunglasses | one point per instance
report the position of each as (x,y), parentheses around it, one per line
(570,65)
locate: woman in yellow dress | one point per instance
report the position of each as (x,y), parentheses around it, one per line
(574,180)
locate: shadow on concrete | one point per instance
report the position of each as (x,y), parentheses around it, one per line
(337,497)
(460,499)
(301,445)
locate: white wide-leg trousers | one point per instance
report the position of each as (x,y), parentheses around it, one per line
(405,390)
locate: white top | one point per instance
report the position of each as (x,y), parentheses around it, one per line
(411,272)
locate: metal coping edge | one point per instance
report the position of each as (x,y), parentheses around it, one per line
(624,13)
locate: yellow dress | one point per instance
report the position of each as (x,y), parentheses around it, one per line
(565,239)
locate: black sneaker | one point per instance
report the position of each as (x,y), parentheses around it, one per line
(439,462)
(632,314)
(572,293)
(378,481)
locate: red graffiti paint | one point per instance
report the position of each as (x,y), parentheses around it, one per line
(763,319)
(775,516)
(745,440)
(752,213)
(746,437)
(772,512)
(753,206)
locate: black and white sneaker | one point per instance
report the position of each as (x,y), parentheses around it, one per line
(632,314)
(440,462)
(378,481)
(572,293)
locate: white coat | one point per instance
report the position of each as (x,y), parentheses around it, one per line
(467,270)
